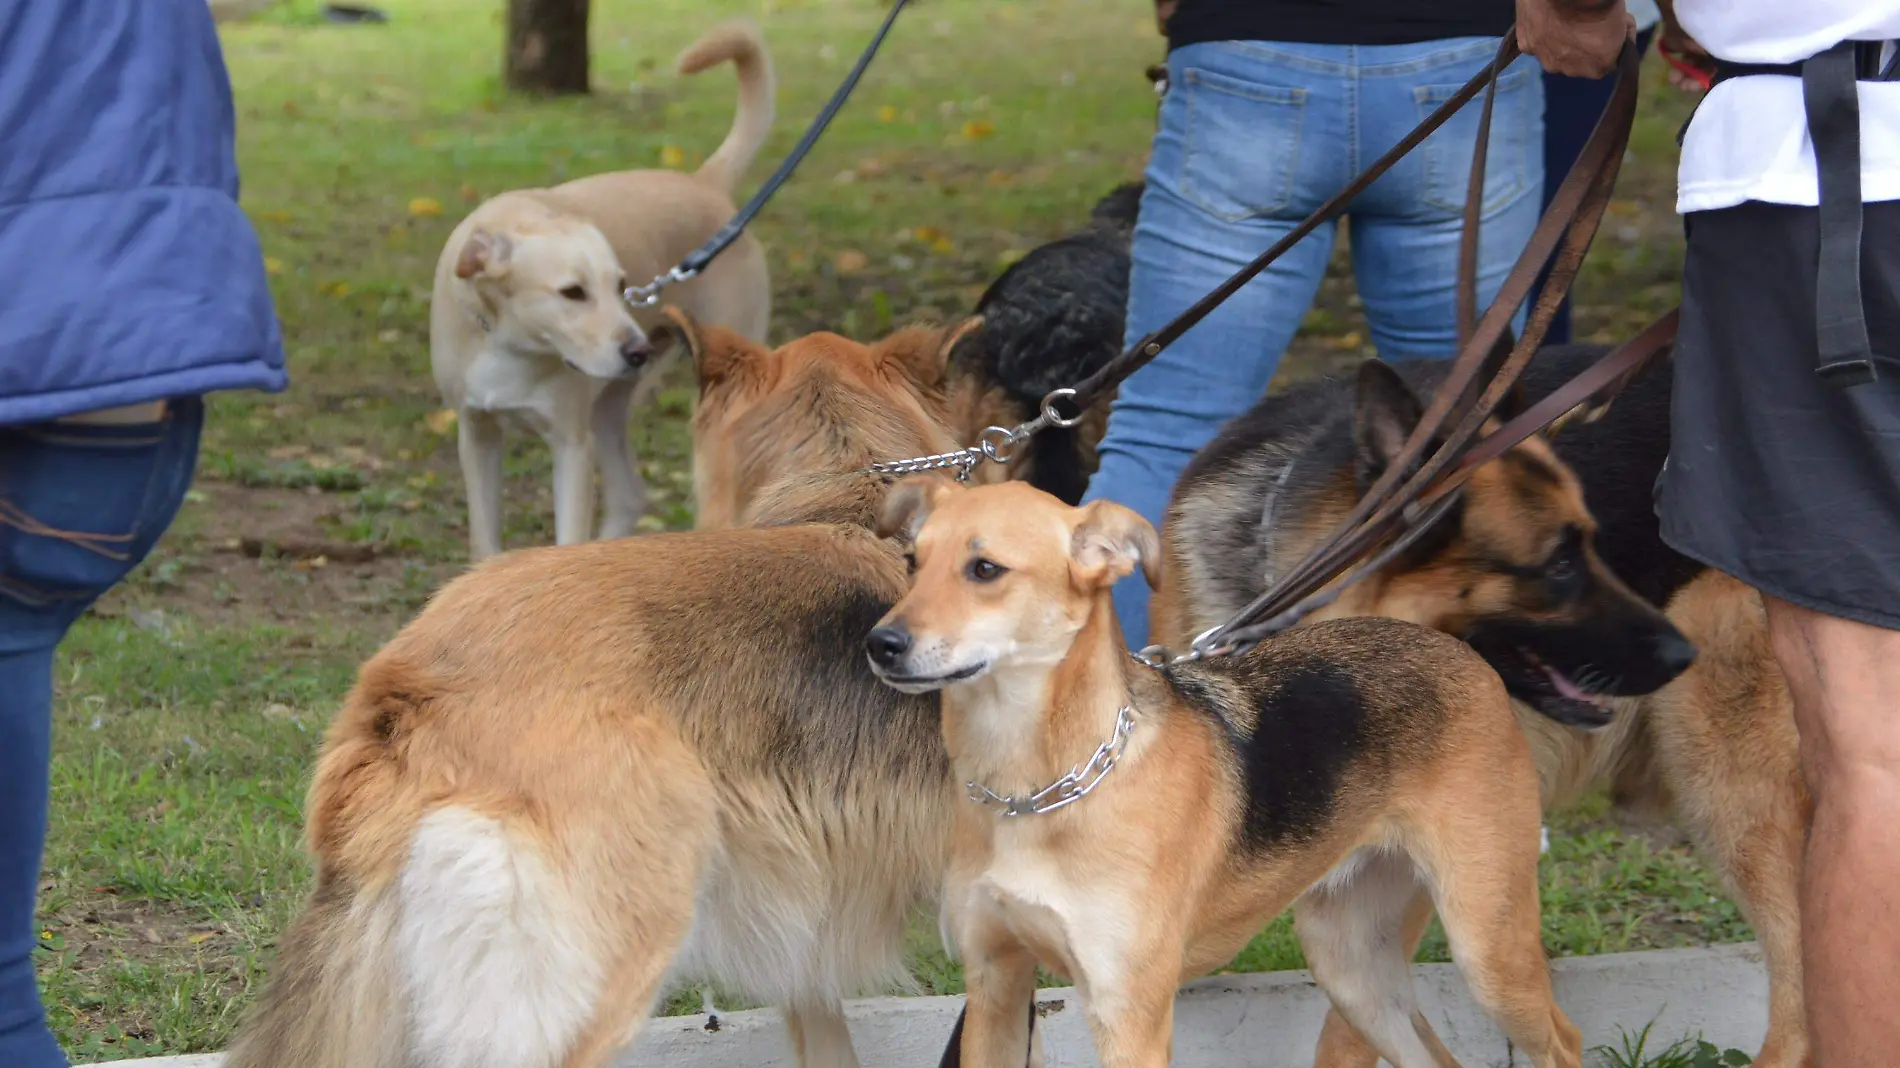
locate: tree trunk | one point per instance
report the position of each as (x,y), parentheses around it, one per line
(547,46)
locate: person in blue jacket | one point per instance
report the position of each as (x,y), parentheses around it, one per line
(130,286)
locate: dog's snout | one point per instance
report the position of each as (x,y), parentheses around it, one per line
(635,351)
(1674,652)
(887,645)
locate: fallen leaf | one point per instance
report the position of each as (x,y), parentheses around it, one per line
(424,206)
(797,257)
(441,421)
(273,265)
(278,712)
(312,564)
(978,129)
(470,194)
(151,936)
(1000,178)
(390,336)
(200,937)
(672,156)
(887,113)
(274,216)
(850,261)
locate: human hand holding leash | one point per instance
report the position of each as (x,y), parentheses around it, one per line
(1579,38)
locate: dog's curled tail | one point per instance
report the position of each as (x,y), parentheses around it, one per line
(333,1001)
(740,42)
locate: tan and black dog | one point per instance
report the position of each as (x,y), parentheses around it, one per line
(583,768)
(1219,792)
(1548,569)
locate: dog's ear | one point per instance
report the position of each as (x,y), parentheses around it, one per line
(715,350)
(485,254)
(1109,541)
(924,355)
(910,502)
(1384,415)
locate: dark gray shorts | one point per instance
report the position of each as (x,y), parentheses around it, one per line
(1775,477)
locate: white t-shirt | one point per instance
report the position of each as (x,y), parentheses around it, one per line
(1749,138)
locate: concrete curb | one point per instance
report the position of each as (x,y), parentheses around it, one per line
(1267,1021)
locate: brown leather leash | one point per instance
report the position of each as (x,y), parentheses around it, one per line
(1416,489)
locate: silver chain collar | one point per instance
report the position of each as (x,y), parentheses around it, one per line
(1070,788)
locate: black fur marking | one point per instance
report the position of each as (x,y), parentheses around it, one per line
(1052,319)
(1310,721)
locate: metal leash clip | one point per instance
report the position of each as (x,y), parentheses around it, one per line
(648,295)
(996,443)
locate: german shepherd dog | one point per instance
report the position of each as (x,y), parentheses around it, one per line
(1050,320)
(1548,570)
(1220,792)
(582,769)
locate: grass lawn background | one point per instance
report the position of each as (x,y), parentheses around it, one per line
(191,702)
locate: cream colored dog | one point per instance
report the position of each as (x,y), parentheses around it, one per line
(528,325)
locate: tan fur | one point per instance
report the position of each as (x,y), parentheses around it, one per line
(1146,881)
(1715,748)
(508,347)
(656,740)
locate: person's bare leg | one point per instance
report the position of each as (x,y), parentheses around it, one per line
(1845,679)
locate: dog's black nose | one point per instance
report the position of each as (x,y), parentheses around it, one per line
(887,645)
(635,351)
(1674,652)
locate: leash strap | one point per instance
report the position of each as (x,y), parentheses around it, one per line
(699,258)
(1840,314)
(1832,100)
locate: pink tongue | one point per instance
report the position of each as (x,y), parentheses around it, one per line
(1566,688)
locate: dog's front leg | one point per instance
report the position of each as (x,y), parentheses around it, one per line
(573,491)
(1000,975)
(478,443)
(1131,1014)
(622,487)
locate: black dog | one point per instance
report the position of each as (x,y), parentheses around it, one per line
(1050,320)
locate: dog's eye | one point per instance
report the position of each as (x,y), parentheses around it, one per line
(982,570)
(575,293)
(910,564)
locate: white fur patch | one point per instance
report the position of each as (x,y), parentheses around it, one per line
(494,955)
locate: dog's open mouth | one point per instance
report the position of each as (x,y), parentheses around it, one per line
(1569,699)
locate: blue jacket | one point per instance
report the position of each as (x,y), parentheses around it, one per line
(127,271)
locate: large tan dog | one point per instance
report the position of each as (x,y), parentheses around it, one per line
(1547,568)
(582,768)
(1218,793)
(528,326)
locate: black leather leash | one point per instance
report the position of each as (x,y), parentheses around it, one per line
(696,261)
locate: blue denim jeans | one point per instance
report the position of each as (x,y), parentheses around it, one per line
(1253,137)
(80,506)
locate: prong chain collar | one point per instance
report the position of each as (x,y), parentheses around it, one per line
(1070,788)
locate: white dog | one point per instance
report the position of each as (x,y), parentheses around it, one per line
(528,325)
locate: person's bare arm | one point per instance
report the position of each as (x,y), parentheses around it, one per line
(1580,38)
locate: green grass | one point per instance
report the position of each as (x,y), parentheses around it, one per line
(190,704)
